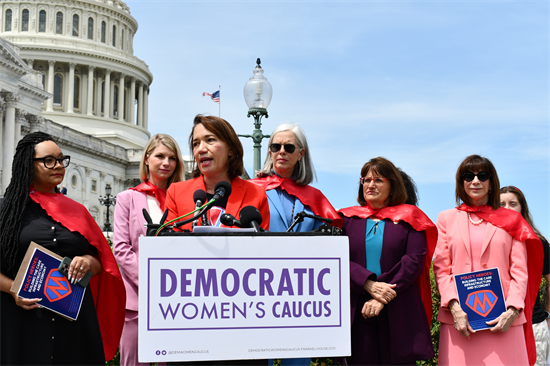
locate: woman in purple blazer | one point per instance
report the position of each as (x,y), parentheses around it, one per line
(391,244)
(161,165)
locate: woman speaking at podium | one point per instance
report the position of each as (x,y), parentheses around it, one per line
(478,235)
(218,155)
(391,246)
(161,165)
(34,210)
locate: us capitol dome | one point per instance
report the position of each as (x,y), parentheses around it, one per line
(68,68)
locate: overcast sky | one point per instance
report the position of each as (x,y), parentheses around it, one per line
(422,83)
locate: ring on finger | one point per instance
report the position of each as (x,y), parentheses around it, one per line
(81,268)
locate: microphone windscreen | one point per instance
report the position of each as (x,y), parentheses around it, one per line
(226,185)
(249,214)
(227,219)
(200,194)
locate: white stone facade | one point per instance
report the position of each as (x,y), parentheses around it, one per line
(50,69)
(84,52)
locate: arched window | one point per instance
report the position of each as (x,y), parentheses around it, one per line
(103,25)
(8,20)
(42,21)
(90,28)
(76,103)
(25,21)
(115,101)
(76,21)
(59,23)
(57,89)
(43,79)
(114,35)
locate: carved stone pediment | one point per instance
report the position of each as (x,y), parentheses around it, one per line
(10,59)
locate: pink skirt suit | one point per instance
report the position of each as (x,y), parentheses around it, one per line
(463,247)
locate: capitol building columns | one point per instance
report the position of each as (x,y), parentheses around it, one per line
(49,102)
(90,103)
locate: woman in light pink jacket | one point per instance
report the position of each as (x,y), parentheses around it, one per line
(160,166)
(480,235)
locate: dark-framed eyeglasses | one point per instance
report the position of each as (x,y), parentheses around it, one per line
(377,181)
(50,162)
(289,148)
(470,176)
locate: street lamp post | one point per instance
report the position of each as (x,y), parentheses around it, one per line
(107,201)
(257,95)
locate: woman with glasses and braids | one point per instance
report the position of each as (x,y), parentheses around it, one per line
(391,245)
(514,199)
(286,176)
(34,210)
(479,235)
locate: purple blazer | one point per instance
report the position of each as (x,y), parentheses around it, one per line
(129,226)
(401,262)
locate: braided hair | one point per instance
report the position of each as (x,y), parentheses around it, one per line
(15,200)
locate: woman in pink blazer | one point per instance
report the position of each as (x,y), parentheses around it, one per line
(161,165)
(480,235)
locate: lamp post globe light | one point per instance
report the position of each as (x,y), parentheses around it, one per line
(107,201)
(257,95)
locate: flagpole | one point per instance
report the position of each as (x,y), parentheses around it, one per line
(220,103)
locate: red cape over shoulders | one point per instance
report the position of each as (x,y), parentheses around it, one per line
(307,194)
(107,287)
(514,224)
(420,222)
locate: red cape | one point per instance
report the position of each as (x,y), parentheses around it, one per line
(514,224)
(152,190)
(308,195)
(420,222)
(107,287)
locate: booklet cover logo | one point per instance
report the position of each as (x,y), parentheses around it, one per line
(482,302)
(57,286)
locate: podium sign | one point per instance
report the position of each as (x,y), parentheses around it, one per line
(243,297)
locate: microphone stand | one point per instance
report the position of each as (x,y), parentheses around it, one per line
(300,217)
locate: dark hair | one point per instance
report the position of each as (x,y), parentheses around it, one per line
(15,199)
(225,132)
(384,168)
(524,207)
(410,187)
(476,163)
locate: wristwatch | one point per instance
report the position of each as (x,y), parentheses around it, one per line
(547,314)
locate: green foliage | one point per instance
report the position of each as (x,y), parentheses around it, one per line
(435,326)
(115,361)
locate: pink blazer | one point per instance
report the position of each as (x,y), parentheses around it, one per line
(499,249)
(129,226)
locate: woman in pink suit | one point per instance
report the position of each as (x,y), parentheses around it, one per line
(480,235)
(161,165)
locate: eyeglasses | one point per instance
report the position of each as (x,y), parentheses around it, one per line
(50,162)
(289,148)
(470,176)
(377,181)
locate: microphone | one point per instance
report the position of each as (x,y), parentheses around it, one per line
(223,189)
(230,220)
(251,217)
(200,198)
(146,216)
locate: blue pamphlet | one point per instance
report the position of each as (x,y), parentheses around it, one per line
(480,296)
(39,277)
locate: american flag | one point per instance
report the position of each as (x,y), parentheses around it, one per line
(215,96)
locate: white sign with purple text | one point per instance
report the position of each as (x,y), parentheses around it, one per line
(243,297)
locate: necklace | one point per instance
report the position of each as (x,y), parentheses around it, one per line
(474,222)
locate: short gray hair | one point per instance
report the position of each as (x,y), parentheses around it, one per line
(304,172)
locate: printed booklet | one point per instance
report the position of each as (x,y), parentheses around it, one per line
(39,277)
(480,296)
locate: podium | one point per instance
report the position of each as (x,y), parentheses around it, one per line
(231,296)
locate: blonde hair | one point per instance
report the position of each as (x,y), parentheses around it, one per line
(170,143)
